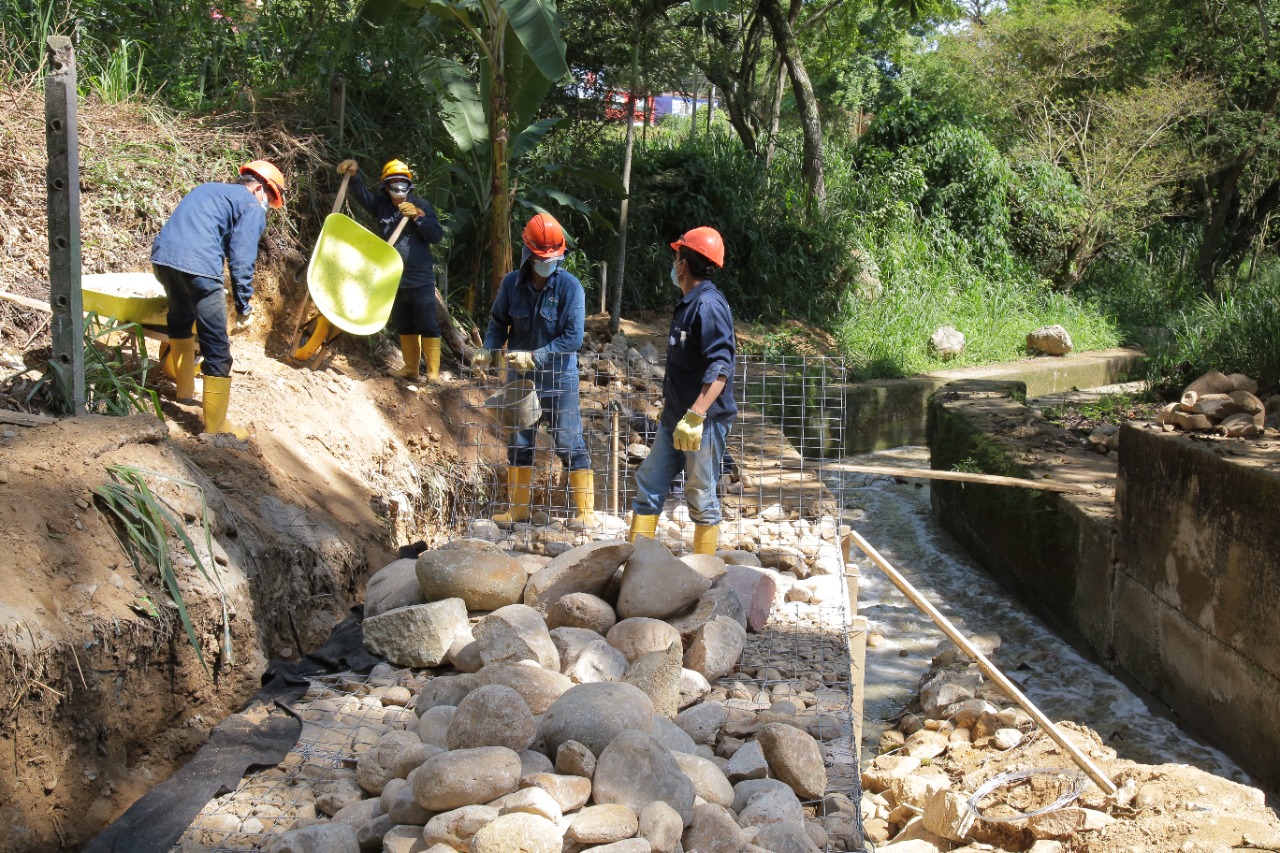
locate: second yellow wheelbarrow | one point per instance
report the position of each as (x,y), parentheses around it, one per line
(351,283)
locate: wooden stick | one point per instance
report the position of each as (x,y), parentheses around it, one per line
(26,302)
(987,667)
(957,476)
(24,419)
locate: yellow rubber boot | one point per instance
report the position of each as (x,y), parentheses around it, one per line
(519,493)
(182,355)
(411,346)
(166,361)
(643,525)
(431,349)
(583,485)
(217,396)
(706,538)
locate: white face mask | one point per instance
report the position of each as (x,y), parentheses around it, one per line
(675,277)
(544,268)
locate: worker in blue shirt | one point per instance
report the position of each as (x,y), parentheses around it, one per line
(213,224)
(413,313)
(539,316)
(697,395)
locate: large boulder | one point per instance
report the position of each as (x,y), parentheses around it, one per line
(603,824)
(492,715)
(713,830)
(394,585)
(795,758)
(586,568)
(419,635)
(596,661)
(465,777)
(716,648)
(658,675)
(708,779)
(517,831)
(635,638)
(755,589)
(538,687)
(569,792)
(1052,340)
(581,610)
(569,642)
(634,770)
(319,838)
(661,826)
(771,805)
(595,714)
(656,584)
(485,580)
(714,602)
(454,828)
(514,633)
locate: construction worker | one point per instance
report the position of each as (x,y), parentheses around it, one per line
(539,316)
(213,224)
(413,314)
(697,395)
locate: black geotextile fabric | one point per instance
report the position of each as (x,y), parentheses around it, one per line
(259,735)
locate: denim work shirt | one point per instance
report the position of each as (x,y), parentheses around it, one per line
(700,347)
(214,223)
(414,243)
(547,323)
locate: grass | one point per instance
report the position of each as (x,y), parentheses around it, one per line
(114,382)
(144,522)
(1086,415)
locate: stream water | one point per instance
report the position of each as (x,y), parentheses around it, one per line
(900,525)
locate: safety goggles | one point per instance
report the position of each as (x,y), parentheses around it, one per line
(399,187)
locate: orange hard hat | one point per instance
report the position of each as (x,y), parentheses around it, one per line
(270,178)
(544,237)
(705,241)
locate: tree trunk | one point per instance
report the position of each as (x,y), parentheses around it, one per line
(620,264)
(812,166)
(775,113)
(499,200)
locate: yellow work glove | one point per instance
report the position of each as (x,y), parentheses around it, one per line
(348,167)
(409,210)
(688,434)
(521,361)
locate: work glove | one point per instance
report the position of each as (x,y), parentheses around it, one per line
(688,434)
(242,323)
(482,359)
(521,361)
(348,167)
(409,210)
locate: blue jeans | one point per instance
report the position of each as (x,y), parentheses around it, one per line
(702,471)
(563,419)
(200,300)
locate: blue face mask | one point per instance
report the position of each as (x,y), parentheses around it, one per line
(544,268)
(675,279)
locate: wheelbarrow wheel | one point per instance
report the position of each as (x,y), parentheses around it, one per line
(313,339)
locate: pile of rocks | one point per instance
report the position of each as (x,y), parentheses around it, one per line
(594,701)
(1219,403)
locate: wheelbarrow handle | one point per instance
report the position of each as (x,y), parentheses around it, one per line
(342,192)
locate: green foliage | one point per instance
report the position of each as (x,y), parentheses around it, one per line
(114,383)
(144,522)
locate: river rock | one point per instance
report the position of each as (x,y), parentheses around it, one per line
(784,558)
(604,824)
(581,610)
(485,580)
(394,585)
(947,342)
(716,648)
(661,826)
(404,839)
(733,557)
(318,838)
(374,767)
(344,792)
(1051,340)
(570,792)
(713,830)
(586,568)
(532,761)
(594,714)
(433,725)
(745,790)
(640,636)
(693,686)
(634,770)
(658,675)
(399,805)
(788,837)
(772,805)
(709,566)
(747,762)
(517,832)
(574,759)
(454,828)
(597,661)
(465,777)
(492,715)
(674,738)
(569,642)
(657,585)
(443,690)
(514,633)
(703,722)
(708,779)
(409,759)
(795,758)
(369,835)
(538,687)
(419,635)
(358,814)
(532,800)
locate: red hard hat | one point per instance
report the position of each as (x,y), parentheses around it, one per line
(705,241)
(270,178)
(544,237)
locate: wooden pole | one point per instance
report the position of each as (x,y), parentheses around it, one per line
(337,106)
(63,184)
(604,286)
(987,667)
(956,476)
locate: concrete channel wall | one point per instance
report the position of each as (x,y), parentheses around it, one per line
(1175,583)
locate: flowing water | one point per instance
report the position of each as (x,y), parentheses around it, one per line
(900,525)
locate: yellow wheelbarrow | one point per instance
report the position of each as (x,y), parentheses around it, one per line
(131,297)
(351,283)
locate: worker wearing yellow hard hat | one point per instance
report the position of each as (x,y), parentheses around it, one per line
(413,314)
(214,224)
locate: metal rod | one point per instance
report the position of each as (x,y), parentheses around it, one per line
(604,286)
(957,476)
(988,668)
(63,184)
(613,463)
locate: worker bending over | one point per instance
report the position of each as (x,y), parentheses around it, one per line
(539,316)
(698,407)
(413,313)
(214,224)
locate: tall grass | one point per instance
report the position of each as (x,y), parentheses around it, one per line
(116,75)
(115,381)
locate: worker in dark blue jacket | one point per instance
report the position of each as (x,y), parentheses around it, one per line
(413,314)
(698,407)
(539,315)
(212,225)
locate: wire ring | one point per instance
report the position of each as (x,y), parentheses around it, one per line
(1017,776)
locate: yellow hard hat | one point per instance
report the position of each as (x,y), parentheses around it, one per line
(396,168)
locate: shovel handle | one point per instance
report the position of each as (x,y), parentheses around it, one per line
(342,193)
(395,235)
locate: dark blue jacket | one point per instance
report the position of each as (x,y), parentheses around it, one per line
(700,347)
(548,323)
(214,223)
(414,244)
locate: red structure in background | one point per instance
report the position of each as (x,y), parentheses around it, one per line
(615,107)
